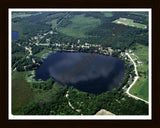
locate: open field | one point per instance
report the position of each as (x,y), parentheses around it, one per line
(23,95)
(44,51)
(79,26)
(129,22)
(107,14)
(104,112)
(18,54)
(21,92)
(46,96)
(23,14)
(140,89)
(16,27)
(139,13)
(53,23)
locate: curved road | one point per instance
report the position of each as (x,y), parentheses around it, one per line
(135,79)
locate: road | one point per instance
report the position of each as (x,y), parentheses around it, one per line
(135,79)
(29,49)
(69,103)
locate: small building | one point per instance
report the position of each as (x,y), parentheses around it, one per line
(139,63)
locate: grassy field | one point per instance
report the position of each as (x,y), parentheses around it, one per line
(107,14)
(21,92)
(53,23)
(23,14)
(16,27)
(46,96)
(79,26)
(140,89)
(129,22)
(18,54)
(44,51)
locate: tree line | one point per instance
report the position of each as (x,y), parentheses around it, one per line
(114,101)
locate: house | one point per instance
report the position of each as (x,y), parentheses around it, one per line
(139,63)
(78,41)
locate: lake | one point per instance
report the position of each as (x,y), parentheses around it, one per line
(15,35)
(87,72)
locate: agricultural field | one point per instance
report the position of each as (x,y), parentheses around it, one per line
(129,22)
(140,89)
(80,26)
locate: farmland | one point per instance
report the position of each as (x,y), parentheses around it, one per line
(140,89)
(129,22)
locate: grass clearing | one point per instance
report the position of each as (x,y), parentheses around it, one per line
(18,54)
(44,51)
(108,14)
(80,26)
(23,14)
(129,22)
(53,23)
(140,89)
(17,27)
(21,92)
(46,96)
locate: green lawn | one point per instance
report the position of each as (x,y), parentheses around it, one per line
(21,92)
(129,22)
(140,89)
(79,26)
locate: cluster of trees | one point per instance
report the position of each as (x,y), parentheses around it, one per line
(114,101)
(129,72)
(58,105)
(15,59)
(36,49)
(30,26)
(58,38)
(42,85)
(16,48)
(26,63)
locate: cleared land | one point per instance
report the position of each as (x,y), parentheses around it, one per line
(104,112)
(21,92)
(43,52)
(129,22)
(107,14)
(80,26)
(140,89)
(23,14)
(53,23)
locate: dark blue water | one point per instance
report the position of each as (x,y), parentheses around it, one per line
(15,35)
(87,72)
